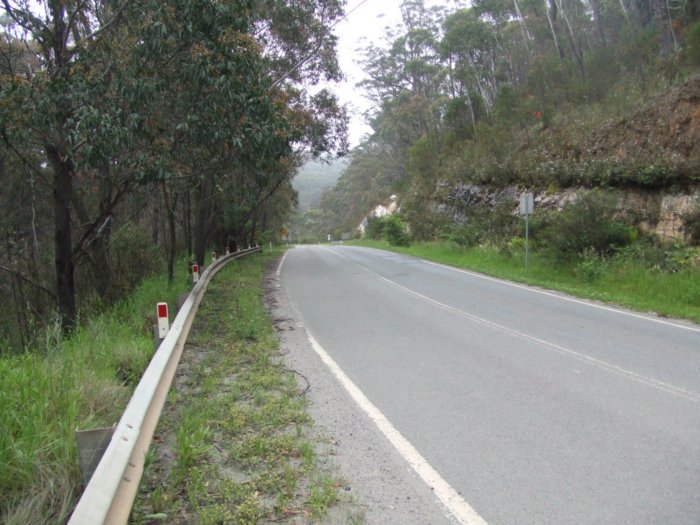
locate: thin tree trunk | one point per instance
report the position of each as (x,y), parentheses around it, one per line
(523,27)
(187,222)
(554,33)
(595,5)
(63,236)
(201,224)
(575,48)
(170,210)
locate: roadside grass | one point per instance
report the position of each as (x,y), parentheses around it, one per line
(83,381)
(235,443)
(621,281)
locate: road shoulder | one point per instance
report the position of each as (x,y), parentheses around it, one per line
(378,478)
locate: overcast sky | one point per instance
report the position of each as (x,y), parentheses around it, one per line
(364,25)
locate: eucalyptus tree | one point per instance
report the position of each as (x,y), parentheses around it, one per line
(178,93)
(71,107)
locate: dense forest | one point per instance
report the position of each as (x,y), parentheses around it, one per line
(133,131)
(529,94)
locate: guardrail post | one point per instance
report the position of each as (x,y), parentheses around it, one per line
(91,447)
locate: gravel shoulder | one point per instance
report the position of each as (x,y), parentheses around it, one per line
(379,480)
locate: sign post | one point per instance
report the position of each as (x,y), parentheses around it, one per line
(527,206)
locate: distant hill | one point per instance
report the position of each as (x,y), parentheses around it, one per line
(313,178)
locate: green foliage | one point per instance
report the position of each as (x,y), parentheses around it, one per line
(692,223)
(587,226)
(82,381)
(133,257)
(390,228)
(483,224)
(395,231)
(375,228)
(691,50)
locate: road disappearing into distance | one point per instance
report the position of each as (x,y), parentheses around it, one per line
(531,406)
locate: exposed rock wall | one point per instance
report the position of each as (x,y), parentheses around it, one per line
(660,213)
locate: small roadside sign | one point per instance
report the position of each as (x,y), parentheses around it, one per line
(527,204)
(527,207)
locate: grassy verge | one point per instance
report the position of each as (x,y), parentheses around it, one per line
(80,382)
(235,443)
(623,282)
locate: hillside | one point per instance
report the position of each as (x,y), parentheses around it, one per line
(313,178)
(546,97)
(668,127)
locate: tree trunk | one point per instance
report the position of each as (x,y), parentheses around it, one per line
(575,46)
(201,220)
(170,210)
(187,223)
(595,5)
(63,236)
(552,29)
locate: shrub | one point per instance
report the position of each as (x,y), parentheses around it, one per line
(587,225)
(391,228)
(395,231)
(692,223)
(375,228)
(133,256)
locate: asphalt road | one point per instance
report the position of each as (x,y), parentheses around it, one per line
(535,407)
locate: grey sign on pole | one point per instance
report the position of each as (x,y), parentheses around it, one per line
(527,204)
(527,207)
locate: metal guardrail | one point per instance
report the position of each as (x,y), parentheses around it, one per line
(109,496)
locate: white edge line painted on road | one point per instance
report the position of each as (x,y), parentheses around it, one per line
(279,266)
(456,506)
(564,297)
(453,502)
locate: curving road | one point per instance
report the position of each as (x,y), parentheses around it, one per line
(533,407)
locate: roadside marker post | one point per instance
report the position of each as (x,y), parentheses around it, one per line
(195,273)
(213,256)
(527,206)
(162,326)
(163,320)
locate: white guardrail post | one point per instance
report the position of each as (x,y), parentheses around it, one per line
(109,496)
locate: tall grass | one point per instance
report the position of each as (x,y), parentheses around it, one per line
(622,281)
(80,382)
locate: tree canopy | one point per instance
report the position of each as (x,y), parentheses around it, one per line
(187,117)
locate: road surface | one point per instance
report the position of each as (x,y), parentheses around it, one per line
(529,406)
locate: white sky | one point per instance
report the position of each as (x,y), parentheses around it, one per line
(363,26)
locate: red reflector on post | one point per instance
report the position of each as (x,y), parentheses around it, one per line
(163,321)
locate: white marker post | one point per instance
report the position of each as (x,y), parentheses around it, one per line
(213,256)
(163,323)
(527,206)
(195,273)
